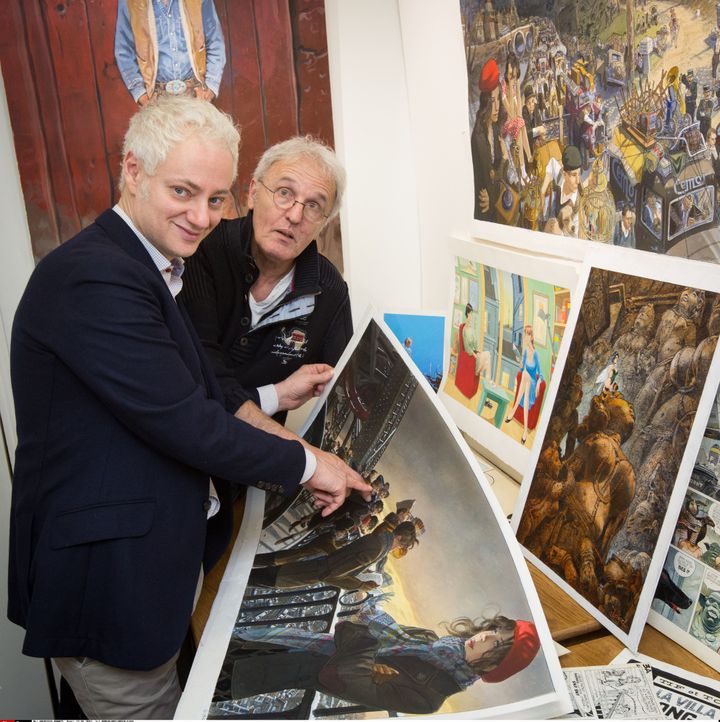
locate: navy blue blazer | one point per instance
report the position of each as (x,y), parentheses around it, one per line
(120,424)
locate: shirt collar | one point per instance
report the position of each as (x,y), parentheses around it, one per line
(171,270)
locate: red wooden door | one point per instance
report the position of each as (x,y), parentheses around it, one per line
(69,106)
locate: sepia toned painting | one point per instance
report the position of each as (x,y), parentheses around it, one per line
(415,602)
(597,120)
(610,461)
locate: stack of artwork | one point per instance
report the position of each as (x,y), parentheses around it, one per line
(594,122)
(588,370)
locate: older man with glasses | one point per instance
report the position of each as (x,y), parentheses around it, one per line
(272,312)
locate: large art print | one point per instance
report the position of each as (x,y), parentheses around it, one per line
(417,602)
(686,606)
(598,510)
(508,320)
(596,120)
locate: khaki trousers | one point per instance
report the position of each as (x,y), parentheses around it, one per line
(105,692)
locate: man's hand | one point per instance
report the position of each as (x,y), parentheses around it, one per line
(382,673)
(484,200)
(143,100)
(332,481)
(333,478)
(204,93)
(308,381)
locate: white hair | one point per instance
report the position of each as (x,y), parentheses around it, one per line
(167,120)
(306,147)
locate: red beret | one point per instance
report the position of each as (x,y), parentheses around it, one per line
(489,76)
(524,648)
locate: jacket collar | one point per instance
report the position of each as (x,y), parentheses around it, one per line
(120,233)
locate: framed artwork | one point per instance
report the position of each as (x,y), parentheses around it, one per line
(422,337)
(315,619)
(596,511)
(553,128)
(568,129)
(508,346)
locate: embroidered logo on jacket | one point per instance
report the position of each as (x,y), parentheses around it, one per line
(290,344)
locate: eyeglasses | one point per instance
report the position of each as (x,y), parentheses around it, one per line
(285,199)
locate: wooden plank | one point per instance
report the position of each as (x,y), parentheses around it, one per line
(30,147)
(116,103)
(80,116)
(315,107)
(591,651)
(565,617)
(311,67)
(240,92)
(279,83)
(65,209)
(601,649)
(657,645)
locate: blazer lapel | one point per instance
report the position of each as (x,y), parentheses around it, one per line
(178,322)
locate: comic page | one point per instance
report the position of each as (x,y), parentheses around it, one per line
(686,605)
(681,694)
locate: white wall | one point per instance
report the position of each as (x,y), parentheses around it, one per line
(23,686)
(399,90)
(380,217)
(16,261)
(436,79)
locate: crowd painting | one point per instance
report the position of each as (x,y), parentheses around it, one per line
(597,120)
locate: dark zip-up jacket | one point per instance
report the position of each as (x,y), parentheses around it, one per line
(310,324)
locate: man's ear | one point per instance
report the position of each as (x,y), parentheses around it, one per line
(132,170)
(252,190)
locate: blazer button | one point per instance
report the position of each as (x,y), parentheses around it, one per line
(248,278)
(244,321)
(206,505)
(243,341)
